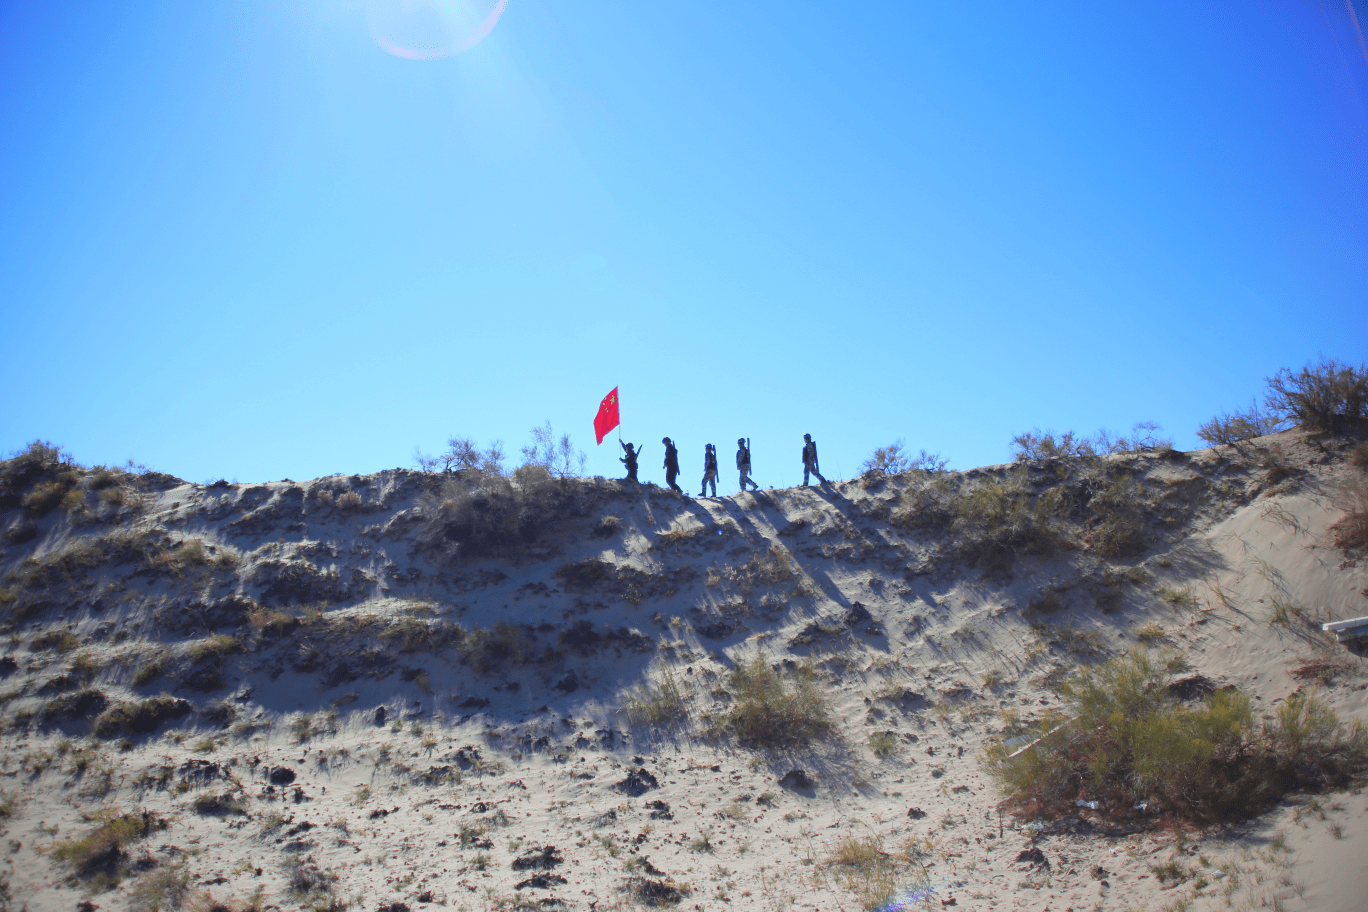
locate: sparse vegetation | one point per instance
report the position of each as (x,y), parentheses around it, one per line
(214,647)
(1125,739)
(98,856)
(1037,444)
(1320,397)
(1350,532)
(60,640)
(657,703)
(1151,632)
(995,521)
(1234,427)
(875,876)
(895,460)
(775,711)
(140,717)
(882,743)
(160,889)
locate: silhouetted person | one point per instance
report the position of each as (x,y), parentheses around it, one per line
(810,460)
(630,460)
(743,464)
(671,465)
(709,470)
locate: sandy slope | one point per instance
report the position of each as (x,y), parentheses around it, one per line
(517,779)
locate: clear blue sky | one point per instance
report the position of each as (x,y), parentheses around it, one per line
(241,239)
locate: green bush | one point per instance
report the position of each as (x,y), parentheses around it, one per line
(1124,738)
(774,710)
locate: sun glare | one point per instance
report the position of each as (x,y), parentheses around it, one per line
(431,29)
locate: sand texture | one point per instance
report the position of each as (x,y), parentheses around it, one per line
(387,692)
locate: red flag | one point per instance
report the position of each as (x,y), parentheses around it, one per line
(607,417)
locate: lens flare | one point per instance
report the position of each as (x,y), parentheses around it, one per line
(431,29)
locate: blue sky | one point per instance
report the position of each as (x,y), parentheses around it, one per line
(240,239)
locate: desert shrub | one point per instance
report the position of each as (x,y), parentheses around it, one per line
(776,711)
(59,639)
(493,650)
(661,702)
(160,889)
(98,856)
(1126,738)
(998,520)
(152,668)
(350,500)
(1116,517)
(44,497)
(140,717)
(558,458)
(925,504)
(1038,444)
(216,646)
(83,703)
(882,743)
(220,804)
(1320,397)
(41,457)
(463,455)
(101,478)
(1350,532)
(310,885)
(772,567)
(189,553)
(82,554)
(895,460)
(481,513)
(1233,427)
(1358,457)
(413,634)
(272,622)
(585,574)
(607,526)
(117,496)
(1151,632)
(876,877)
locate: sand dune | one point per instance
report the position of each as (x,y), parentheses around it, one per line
(384,692)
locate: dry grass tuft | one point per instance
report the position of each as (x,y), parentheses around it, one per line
(777,711)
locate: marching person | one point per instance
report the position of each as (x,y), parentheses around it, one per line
(743,464)
(810,460)
(709,470)
(671,465)
(630,461)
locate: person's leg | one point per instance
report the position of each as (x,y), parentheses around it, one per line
(805,475)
